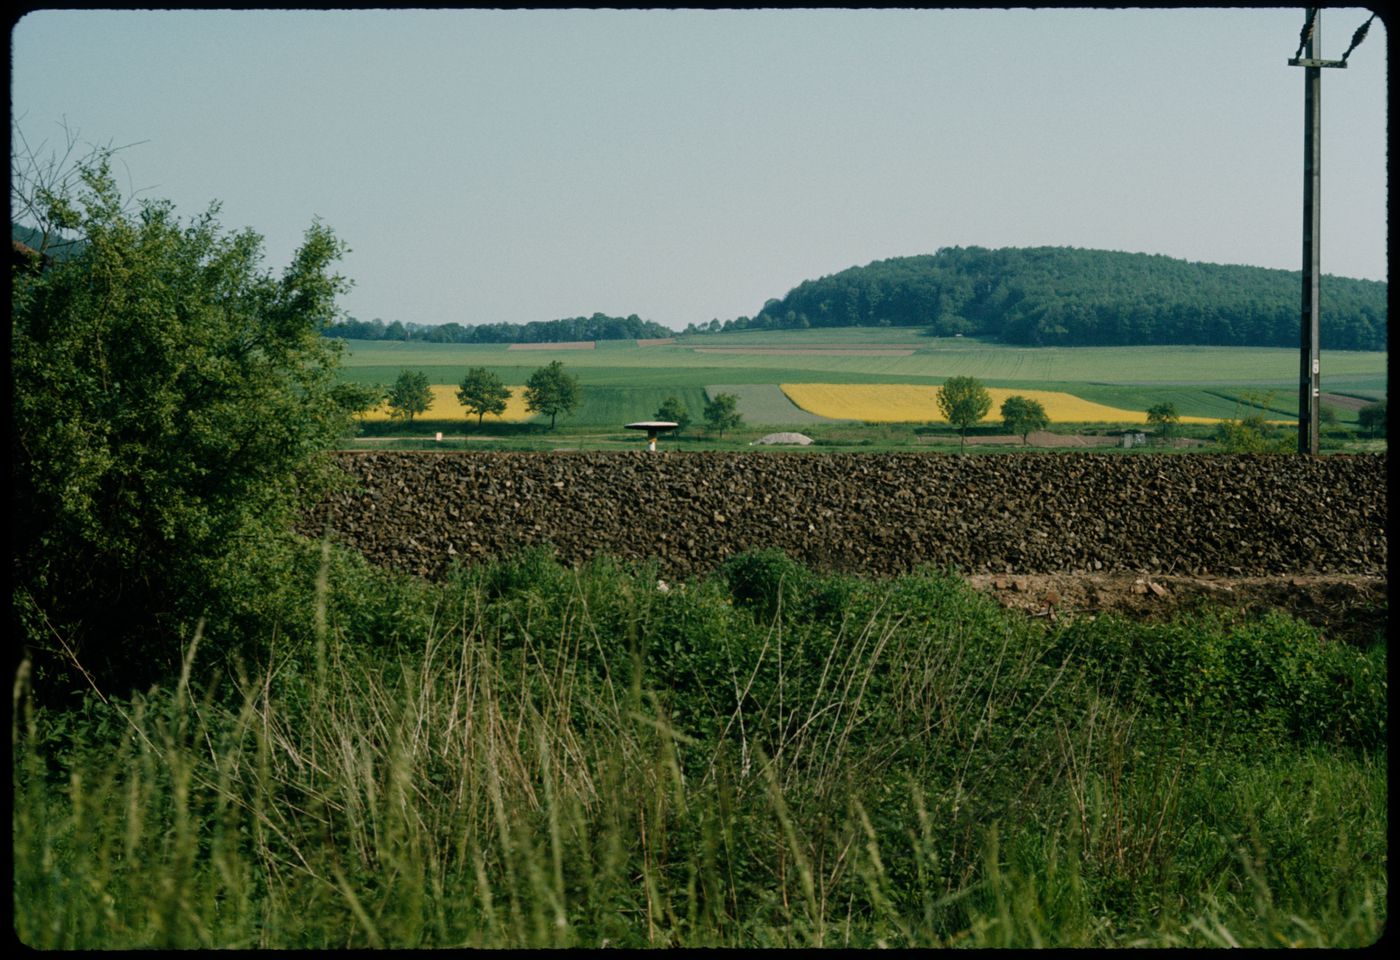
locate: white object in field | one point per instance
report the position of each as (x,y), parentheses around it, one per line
(797,438)
(652,427)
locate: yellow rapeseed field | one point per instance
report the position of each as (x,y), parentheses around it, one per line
(909,403)
(445,406)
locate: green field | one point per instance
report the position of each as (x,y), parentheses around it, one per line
(766,404)
(623,381)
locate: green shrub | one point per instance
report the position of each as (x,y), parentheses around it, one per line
(533,570)
(766,581)
(170,402)
(1249,676)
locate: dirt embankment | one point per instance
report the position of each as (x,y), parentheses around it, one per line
(1050,534)
(1347,606)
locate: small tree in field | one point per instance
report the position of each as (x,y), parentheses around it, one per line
(1371,419)
(722,413)
(1022,415)
(552,391)
(410,395)
(963,401)
(483,392)
(674,411)
(1164,417)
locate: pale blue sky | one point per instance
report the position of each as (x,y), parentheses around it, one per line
(682,165)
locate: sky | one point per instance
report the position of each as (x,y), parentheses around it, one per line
(684,165)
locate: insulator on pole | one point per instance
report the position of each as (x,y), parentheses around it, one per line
(1306,33)
(1357,37)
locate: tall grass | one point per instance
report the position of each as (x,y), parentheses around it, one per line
(547,757)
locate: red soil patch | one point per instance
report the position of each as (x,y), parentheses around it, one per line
(811,351)
(1344,403)
(566,345)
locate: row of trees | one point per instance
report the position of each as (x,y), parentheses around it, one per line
(1073,297)
(550,391)
(965,402)
(597,327)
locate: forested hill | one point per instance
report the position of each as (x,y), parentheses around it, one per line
(54,246)
(596,327)
(1073,297)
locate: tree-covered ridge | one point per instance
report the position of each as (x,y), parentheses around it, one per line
(1073,297)
(597,327)
(53,245)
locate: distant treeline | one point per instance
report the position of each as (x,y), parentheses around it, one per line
(596,327)
(1067,296)
(1035,296)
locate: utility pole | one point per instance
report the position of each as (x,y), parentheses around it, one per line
(1309,370)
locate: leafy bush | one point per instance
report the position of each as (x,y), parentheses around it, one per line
(1250,436)
(1256,678)
(531,570)
(1252,432)
(765,581)
(170,400)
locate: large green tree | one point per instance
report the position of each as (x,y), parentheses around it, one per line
(963,401)
(552,391)
(410,395)
(170,398)
(673,411)
(1164,417)
(1021,415)
(722,413)
(483,392)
